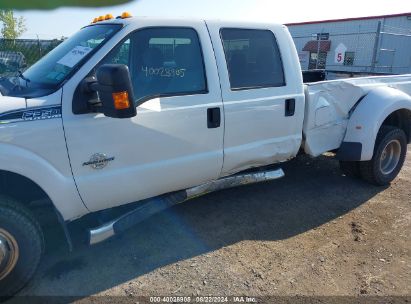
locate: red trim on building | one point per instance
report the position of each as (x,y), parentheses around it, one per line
(312,46)
(351,19)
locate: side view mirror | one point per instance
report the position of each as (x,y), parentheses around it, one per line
(115,91)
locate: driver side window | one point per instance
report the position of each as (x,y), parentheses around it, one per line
(162,61)
(121,54)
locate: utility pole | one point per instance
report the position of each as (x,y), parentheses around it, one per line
(318,49)
(376,46)
(39,45)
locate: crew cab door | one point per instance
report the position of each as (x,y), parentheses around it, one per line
(176,139)
(262,94)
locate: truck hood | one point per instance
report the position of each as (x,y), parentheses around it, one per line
(10,107)
(14,109)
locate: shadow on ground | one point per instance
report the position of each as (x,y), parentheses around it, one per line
(313,193)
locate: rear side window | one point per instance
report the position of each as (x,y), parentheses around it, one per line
(253,58)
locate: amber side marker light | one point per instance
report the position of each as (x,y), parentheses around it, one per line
(121,101)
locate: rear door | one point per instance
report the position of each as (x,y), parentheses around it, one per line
(173,142)
(262,94)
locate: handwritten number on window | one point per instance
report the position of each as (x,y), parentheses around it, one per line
(163,72)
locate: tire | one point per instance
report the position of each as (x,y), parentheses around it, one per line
(350,168)
(23,235)
(378,170)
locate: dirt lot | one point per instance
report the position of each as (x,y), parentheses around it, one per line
(314,232)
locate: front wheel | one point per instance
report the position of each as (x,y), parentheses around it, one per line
(21,246)
(389,156)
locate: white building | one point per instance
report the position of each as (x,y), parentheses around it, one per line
(377,44)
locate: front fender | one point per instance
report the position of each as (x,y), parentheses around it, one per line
(60,189)
(366,120)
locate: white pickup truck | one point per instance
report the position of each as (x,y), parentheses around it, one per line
(149,113)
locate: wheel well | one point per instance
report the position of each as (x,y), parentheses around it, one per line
(20,187)
(401,119)
(30,195)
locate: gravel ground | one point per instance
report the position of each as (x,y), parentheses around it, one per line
(313,233)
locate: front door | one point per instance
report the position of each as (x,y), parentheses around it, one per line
(170,144)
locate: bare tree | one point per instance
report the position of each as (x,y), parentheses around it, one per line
(13,27)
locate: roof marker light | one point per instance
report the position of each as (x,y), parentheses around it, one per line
(100,18)
(125,15)
(108,17)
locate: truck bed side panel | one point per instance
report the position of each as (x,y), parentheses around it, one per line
(329,106)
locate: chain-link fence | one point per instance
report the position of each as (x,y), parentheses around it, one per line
(393,50)
(18,54)
(357,48)
(360,47)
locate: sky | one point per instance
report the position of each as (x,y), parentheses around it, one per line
(66,21)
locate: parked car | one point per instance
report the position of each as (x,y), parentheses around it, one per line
(11,61)
(158,111)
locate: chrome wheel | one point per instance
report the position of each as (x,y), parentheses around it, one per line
(9,253)
(390,157)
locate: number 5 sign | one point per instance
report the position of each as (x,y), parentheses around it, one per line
(340,54)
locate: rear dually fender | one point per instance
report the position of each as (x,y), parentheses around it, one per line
(383,105)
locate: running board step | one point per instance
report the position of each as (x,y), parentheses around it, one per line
(157,204)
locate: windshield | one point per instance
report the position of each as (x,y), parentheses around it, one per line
(57,65)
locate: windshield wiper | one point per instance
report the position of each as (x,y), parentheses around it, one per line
(17,83)
(20,74)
